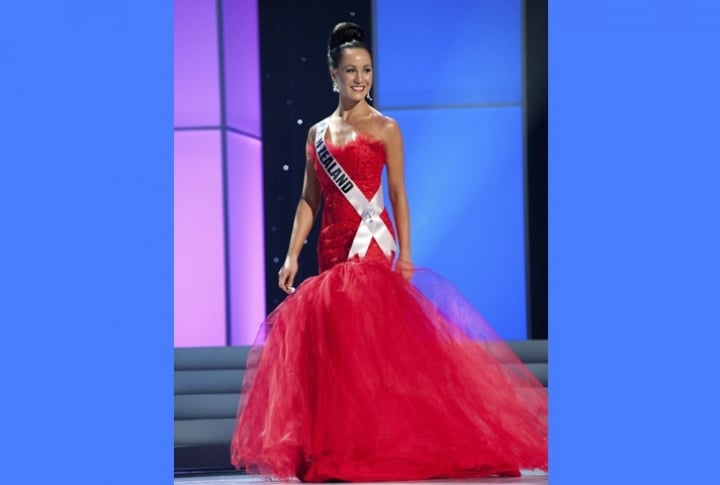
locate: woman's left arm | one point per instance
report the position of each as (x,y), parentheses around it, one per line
(398,197)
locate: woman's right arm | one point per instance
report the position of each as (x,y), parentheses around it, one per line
(307,209)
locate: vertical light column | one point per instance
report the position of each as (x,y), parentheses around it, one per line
(196,79)
(244,177)
(199,262)
(199,280)
(246,237)
(219,229)
(242,66)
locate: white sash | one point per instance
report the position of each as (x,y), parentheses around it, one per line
(371,225)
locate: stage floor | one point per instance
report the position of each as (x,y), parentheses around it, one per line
(527,479)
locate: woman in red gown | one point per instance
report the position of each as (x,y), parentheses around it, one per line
(358,375)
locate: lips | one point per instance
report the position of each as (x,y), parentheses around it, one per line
(358,89)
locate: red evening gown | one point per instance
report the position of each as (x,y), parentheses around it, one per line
(361,376)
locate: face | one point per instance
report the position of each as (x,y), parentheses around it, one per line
(354,74)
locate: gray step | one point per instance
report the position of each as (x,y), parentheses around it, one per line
(530,351)
(206,406)
(222,381)
(202,358)
(204,431)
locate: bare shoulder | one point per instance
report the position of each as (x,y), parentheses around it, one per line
(387,129)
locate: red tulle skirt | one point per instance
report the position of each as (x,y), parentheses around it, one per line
(361,376)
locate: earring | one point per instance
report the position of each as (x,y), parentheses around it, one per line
(367,96)
(335,88)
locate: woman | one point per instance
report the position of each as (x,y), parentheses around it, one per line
(359,375)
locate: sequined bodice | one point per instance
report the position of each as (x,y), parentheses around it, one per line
(363,160)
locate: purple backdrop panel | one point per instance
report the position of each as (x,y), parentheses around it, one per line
(246,237)
(199,245)
(242,65)
(197,85)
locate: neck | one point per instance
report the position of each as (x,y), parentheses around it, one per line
(349,110)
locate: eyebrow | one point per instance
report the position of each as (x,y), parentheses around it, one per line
(353,65)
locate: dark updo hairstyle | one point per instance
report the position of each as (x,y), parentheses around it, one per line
(345,35)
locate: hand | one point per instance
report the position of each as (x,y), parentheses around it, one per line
(286,276)
(405,268)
